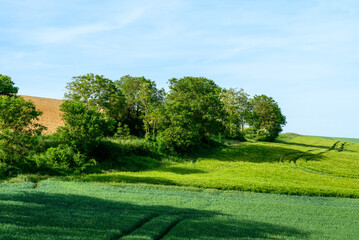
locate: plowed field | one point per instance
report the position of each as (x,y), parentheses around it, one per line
(51,117)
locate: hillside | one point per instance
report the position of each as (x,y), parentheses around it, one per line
(51,117)
(294,164)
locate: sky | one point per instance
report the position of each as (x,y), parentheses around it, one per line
(304,54)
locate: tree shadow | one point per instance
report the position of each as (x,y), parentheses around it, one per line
(37,215)
(256,153)
(180,170)
(304,145)
(128,179)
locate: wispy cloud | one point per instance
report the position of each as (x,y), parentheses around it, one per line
(70,33)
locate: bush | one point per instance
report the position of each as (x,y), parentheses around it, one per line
(127,154)
(62,159)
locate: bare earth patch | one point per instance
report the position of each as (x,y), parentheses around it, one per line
(51,114)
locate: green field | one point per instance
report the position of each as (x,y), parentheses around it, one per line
(201,200)
(73,210)
(295,164)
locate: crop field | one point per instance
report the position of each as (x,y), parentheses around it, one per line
(51,117)
(297,165)
(78,210)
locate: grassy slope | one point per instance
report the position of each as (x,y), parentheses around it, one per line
(70,210)
(353,140)
(293,165)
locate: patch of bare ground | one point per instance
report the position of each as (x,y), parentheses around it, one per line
(51,114)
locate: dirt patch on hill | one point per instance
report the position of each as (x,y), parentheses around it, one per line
(51,114)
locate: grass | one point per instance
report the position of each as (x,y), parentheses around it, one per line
(353,140)
(295,164)
(78,210)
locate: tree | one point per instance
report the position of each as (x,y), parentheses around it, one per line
(7,86)
(95,90)
(84,127)
(142,98)
(266,119)
(18,129)
(192,113)
(236,106)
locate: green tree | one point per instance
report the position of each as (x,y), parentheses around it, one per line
(236,106)
(142,98)
(266,119)
(18,130)
(192,113)
(95,90)
(7,86)
(84,126)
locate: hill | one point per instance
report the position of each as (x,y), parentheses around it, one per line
(295,164)
(51,117)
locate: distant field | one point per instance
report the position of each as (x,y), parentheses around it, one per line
(295,164)
(74,210)
(51,117)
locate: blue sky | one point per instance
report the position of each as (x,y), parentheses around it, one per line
(304,54)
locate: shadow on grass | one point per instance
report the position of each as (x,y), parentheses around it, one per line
(37,215)
(117,178)
(180,170)
(260,153)
(303,145)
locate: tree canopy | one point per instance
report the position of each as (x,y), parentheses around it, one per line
(266,119)
(192,113)
(142,96)
(96,90)
(7,86)
(18,128)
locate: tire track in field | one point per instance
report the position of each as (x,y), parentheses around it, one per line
(152,227)
(133,228)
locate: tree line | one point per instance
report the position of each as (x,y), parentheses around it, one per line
(189,115)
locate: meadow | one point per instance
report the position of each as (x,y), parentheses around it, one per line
(54,209)
(294,164)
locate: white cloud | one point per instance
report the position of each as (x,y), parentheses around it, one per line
(70,33)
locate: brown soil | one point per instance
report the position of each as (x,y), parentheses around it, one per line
(51,114)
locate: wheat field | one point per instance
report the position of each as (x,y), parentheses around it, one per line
(51,115)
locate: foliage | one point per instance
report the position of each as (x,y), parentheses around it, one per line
(122,131)
(237,108)
(266,119)
(84,126)
(142,97)
(191,114)
(62,159)
(18,130)
(7,86)
(97,91)
(130,154)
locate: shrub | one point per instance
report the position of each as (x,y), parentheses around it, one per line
(62,159)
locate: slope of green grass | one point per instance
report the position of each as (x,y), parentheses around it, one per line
(74,210)
(293,165)
(353,140)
